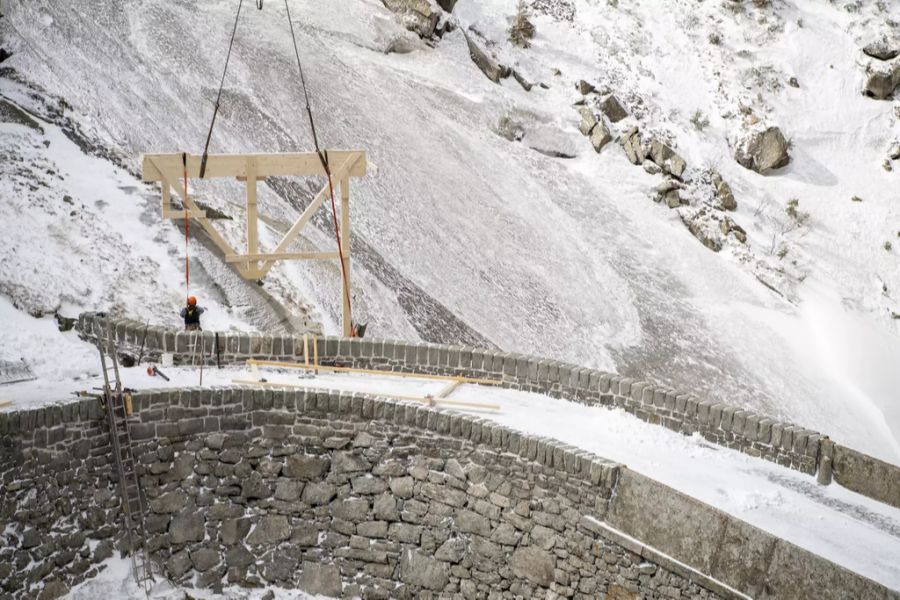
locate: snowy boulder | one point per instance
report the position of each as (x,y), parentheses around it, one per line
(703,226)
(588,120)
(600,136)
(584,88)
(420,16)
(549,140)
(881,80)
(723,192)
(613,109)
(667,159)
(490,67)
(762,150)
(727,226)
(510,129)
(651,167)
(883,48)
(631,144)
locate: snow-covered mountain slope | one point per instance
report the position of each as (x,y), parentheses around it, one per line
(462,235)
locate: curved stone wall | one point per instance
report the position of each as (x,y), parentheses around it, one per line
(323,491)
(729,426)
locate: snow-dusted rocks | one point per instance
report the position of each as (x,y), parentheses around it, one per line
(490,67)
(420,16)
(588,120)
(881,80)
(613,109)
(600,136)
(631,144)
(883,48)
(583,87)
(667,192)
(666,158)
(762,149)
(723,192)
(594,128)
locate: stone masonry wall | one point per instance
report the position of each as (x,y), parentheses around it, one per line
(726,425)
(350,494)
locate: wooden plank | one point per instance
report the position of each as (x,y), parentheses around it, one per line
(268,165)
(252,221)
(235,258)
(306,349)
(295,365)
(448,389)
(427,400)
(346,318)
(315,356)
(301,222)
(180,214)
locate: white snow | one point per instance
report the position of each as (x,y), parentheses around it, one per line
(115,581)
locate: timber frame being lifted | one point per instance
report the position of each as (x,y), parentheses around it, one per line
(169,171)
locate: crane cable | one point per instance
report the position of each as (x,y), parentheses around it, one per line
(323,157)
(221,85)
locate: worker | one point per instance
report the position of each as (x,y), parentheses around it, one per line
(191,315)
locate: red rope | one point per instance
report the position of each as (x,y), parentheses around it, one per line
(337,237)
(187,272)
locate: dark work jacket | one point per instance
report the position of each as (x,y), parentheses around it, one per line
(191,314)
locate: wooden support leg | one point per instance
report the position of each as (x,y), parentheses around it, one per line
(345,248)
(252,222)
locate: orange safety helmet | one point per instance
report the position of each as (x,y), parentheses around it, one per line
(192,301)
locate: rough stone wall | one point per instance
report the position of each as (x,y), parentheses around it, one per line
(300,487)
(390,512)
(733,427)
(56,493)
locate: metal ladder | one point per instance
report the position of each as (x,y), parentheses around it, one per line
(134,511)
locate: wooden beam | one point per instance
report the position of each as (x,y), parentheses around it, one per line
(346,319)
(268,165)
(301,222)
(448,389)
(295,365)
(236,258)
(427,400)
(179,214)
(252,221)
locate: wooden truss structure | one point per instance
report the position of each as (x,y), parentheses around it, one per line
(169,171)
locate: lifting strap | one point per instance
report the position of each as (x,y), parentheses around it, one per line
(221,84)
(323,157)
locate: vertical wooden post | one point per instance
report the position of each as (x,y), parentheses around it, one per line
(345,248)
(166,198)
(252,233)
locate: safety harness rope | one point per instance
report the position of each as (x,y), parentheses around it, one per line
(187,270)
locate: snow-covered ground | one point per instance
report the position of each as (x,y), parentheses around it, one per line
(463,235)
(116,582)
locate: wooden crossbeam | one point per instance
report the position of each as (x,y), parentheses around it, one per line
(303,164)
(236,258)
(316,367)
